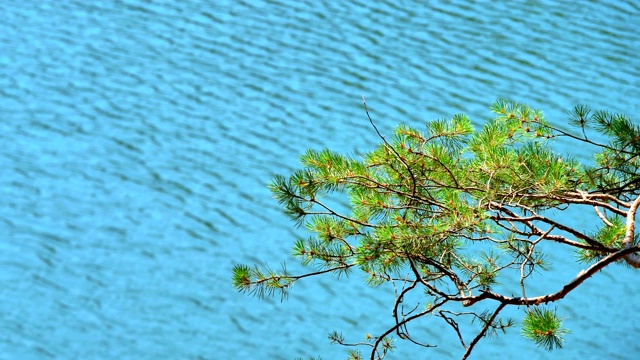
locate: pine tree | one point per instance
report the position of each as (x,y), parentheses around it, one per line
(449,211)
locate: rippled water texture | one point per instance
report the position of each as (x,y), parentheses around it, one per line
(137,138)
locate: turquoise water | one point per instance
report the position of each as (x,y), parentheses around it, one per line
(138,136)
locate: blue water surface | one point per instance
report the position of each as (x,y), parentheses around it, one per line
(138,137)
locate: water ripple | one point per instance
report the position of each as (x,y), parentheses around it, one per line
(138,137)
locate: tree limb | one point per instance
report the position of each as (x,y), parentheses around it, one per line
(582,276)
(631,259)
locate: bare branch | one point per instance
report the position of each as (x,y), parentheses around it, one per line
(528,256)
(483,331)
(454,325)
(402,323)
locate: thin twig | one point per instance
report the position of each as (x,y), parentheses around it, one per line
(413,178)
(483,331)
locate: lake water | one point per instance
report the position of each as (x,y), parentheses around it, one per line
(138,137)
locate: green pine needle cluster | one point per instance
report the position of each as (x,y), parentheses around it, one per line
(544,327)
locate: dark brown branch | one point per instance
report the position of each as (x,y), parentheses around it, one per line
(454,325)
(582,276)
(400,298)
(564,133)
(404,322)
(413,178)
(330,211)
(483,331)
(298,277)
(450,274)
(431,288)
(537,231)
